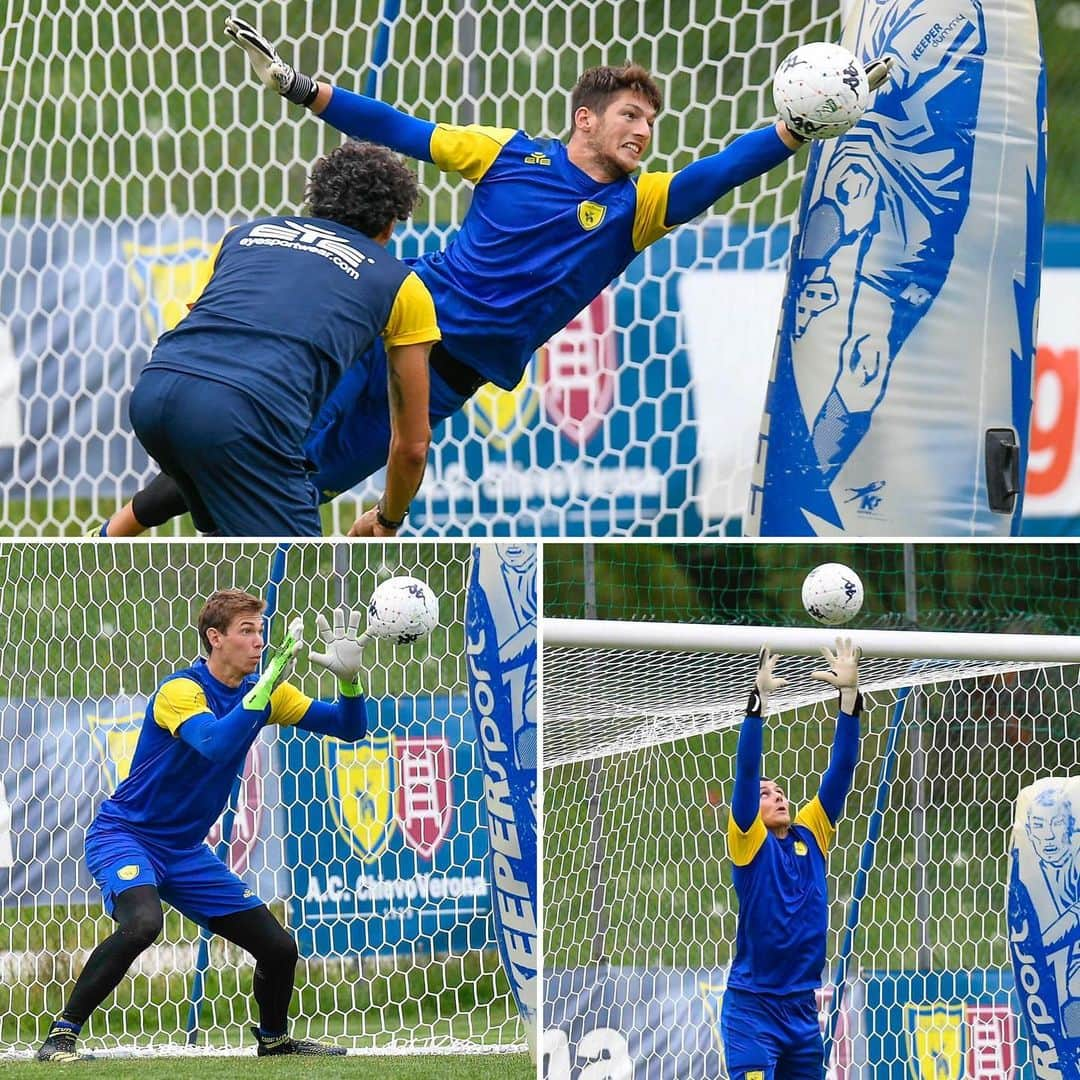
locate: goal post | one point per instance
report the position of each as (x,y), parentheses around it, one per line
(373,855)
(639,745)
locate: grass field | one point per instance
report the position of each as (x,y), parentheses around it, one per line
(357,1067)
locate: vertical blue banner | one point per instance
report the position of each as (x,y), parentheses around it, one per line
(500,629)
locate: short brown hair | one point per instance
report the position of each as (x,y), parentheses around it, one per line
(598,85)
(222,607)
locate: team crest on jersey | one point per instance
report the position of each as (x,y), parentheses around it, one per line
(360,779)
(167,277)
(800,848)
(935,1040)
(114,739)
(590,214)
(246,815)
(502,415)
(424,798)
(579,370)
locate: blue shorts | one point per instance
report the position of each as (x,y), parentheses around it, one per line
(242,472)
(193,880)
(350,437)
(777,1037)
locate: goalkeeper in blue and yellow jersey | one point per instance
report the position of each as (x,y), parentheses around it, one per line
(146,843)
(550,225)
(769,1018)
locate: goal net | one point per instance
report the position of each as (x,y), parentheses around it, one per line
(374,854)
(148,137)
(639,910)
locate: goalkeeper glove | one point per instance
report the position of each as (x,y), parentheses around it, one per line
(764,682)
(343,648)
(843,673)
(276,668)
(273,72)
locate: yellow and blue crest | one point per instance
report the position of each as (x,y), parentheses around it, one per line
(935,1040)
(590,214)
(114,739)
(502,415)
(167,277)
(360,782)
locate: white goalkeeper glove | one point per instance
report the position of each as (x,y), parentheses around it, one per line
(843,673)
(343,648)
(277,668)
(765,682)
(272,71)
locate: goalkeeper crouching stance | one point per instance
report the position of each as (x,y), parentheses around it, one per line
(146,843)
(769,1018)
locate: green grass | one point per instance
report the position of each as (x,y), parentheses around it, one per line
(456,1067)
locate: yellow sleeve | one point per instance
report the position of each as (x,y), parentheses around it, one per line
(288,705)
(412,318)
(205,271)
(179,700)
(813,816)
(743,846)
(468,150)
(651,209)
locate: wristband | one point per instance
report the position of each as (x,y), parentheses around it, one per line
(384,521)
(302,90)
(350,687)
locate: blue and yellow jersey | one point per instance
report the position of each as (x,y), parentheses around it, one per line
(173,794)
(783,903)
(540,240)
(290,303)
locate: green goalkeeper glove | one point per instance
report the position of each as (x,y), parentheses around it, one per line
(764,682)
(272,71)
(343,648)
(843,673)
(277,667)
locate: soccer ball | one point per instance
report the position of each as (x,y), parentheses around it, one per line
(402,610)
(820,90)
(832,593)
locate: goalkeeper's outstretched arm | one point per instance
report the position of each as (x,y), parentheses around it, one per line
(843,673)
(746,797)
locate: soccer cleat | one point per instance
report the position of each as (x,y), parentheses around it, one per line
(286,1044)
(59,1048)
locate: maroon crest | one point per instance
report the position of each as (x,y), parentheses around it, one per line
(248,816)
(578,371)
(425,792)
(991,1031)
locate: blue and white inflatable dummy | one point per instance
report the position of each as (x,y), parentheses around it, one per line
(900,396)
(1044,923)
(500,633)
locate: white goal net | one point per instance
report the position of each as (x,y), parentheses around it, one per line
(138,135)
(373,854)
(639,908)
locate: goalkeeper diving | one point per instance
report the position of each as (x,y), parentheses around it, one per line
(549,226)
(146,844)
(769,1018)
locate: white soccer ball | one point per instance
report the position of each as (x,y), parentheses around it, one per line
(402,610)
(832,593)
(820,90)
